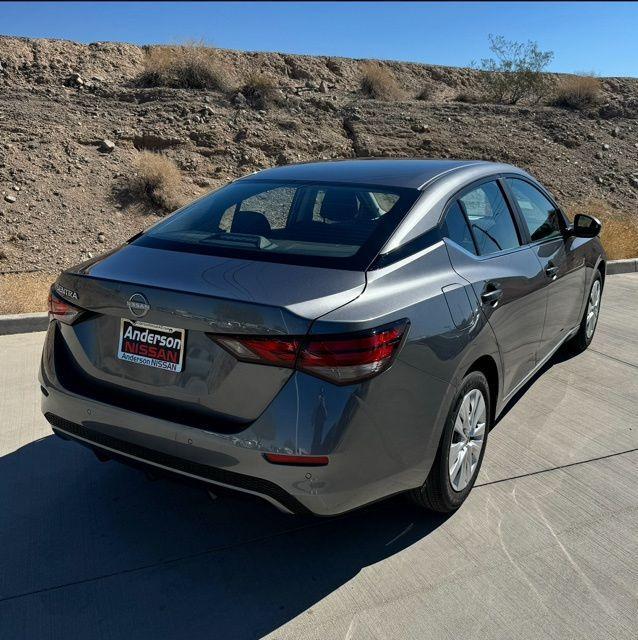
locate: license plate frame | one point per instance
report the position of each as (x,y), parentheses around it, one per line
(141,343)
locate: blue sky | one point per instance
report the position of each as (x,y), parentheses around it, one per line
(585,36)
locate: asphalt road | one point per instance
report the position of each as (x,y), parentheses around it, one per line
(545,547)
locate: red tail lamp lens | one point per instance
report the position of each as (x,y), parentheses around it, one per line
(62,310)
(307,461)
(342,359)
(281,352)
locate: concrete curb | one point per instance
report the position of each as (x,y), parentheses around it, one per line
(28,322)
(622,266)
(23,323)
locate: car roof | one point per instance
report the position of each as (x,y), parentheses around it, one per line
(409,173)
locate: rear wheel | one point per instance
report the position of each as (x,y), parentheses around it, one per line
(589,321)
(460,454)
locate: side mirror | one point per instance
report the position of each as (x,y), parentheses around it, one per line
(585,226)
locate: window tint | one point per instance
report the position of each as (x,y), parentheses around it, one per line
(540,215)
(273,204)
(369,204)
(455,228)
(490,218)
(260,218)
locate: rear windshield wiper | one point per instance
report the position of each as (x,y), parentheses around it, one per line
(238,239)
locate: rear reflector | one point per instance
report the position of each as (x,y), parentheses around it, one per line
(341,359)
(307,461)
(62,310)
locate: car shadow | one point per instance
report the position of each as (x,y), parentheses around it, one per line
(562,355)
(90,549)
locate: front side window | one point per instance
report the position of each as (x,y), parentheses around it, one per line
(455,228)
(255,218)
(489,218)
(540,215)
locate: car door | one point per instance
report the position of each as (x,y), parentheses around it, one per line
(505,275)
(564,268)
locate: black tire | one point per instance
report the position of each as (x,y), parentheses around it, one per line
(437,493)
(580,341)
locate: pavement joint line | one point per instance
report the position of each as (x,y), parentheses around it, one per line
(558,468)
(311,525)
(602,353)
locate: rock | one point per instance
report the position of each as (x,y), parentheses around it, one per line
(10,199)
(634,181)
(241,135)
(599,155)
(605,147)
(101,237)
(106,146)
(615,132)
(240,99)
(75,79)
(323,87)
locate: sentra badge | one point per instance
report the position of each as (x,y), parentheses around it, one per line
(67,293)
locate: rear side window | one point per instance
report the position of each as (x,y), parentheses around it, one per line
(489,218)
(324,223)
(455,228)
(540,215)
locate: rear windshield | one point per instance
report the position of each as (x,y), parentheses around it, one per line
(333,225)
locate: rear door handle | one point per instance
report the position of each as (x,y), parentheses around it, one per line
(491,294)
(551,270)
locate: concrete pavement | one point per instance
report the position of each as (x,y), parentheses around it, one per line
(546,545)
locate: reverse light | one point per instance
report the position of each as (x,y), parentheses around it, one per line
(341,359)
(62,310)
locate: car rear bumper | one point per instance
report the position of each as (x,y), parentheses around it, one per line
(378,442)
(122,449)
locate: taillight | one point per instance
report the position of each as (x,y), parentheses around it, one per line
(341,359)
(282,352)
(62,310)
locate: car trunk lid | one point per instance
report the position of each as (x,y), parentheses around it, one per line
(198,295)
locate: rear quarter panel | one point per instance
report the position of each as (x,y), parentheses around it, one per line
(397,417)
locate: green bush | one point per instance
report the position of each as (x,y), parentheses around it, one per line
(516,71)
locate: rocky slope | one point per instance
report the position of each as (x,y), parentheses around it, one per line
(59,100)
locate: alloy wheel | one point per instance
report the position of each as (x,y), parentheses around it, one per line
(467,439)
(593,308)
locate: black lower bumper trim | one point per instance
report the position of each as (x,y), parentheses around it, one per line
(239,481)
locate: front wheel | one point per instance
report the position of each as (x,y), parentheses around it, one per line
(460,454)
(589,321)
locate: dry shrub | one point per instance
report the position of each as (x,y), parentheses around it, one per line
(188,66)
(620,230)
(426,93)
(155,182)
(379,83)
(24,292)
(577,92)
(468,97)
(260,91)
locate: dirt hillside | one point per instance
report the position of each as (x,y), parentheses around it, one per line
(60,184)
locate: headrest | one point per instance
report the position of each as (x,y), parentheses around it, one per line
(251,222)
(339,205)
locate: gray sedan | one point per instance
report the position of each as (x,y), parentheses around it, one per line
(323,335)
